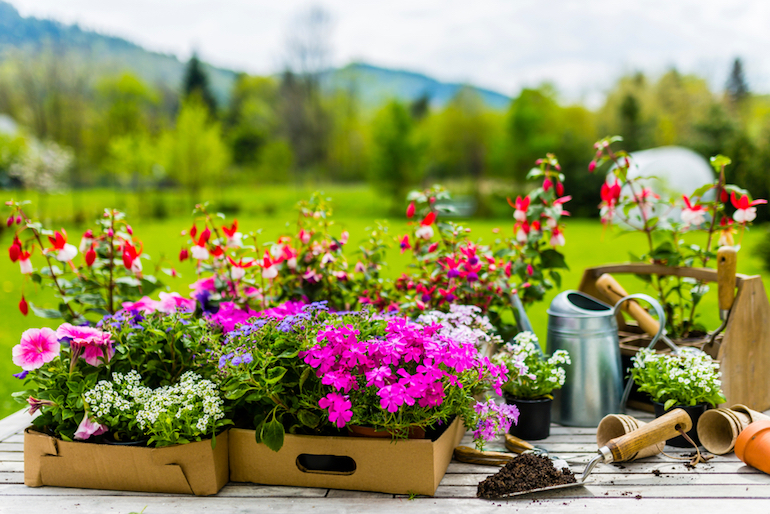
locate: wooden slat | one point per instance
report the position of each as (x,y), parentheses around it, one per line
(614,491)
(645,479)
(14,424)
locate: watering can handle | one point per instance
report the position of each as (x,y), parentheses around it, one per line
(661,329)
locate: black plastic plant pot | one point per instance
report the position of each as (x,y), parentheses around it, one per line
(694,412)
(534,418)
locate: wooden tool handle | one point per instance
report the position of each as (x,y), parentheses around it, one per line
(610,288)
(473,456)
(661,429)
(726,267)
(517,445)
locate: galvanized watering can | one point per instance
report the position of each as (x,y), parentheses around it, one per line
(588,330)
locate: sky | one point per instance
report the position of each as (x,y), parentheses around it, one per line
(581,46)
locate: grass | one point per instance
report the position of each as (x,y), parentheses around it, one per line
(269,208)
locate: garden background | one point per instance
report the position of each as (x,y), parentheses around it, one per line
(84,127)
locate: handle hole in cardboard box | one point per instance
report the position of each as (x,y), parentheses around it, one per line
(326,464)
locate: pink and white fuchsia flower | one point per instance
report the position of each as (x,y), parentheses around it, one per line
(65,252)
(745,211)
(693,214)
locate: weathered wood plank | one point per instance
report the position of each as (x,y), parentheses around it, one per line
(758,491)
(232,490)
(14,424)
(15,438)
(642,479)
(11,466)
(667,467)
(12,447)
(11,456)
(11,478)
(338,493)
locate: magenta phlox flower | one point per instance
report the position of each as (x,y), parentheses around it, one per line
(229,315)
(339,380)
(37,347)
(433,396)
(281,311)
(493,419)
(394,396)
(413,353)
(339,408)
(87,428)
(90,343)
(378,376)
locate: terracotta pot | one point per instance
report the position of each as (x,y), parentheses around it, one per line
(362,431)
(694,411)
(534,418)
(753,445)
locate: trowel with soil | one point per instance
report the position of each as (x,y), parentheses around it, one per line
(532,473)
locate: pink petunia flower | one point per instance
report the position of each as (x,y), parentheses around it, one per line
(172,302)
(90,343)
(87,428)
(37,347)
(146,305)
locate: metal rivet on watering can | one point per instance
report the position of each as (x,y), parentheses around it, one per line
(588,330)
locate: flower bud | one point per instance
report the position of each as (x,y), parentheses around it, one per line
(410,210)
(14,252)
(559,189)
(90,256)
(18,219)
(129,230)
(110,232)
(592,167)
(9,221)
(23,306)
(184,255)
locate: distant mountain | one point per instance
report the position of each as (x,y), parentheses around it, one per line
(375,86)
(371,84)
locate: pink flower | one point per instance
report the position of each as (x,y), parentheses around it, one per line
(64,252)
(339,407)
(745,212)
(204,284)
(520,208)
(404,244)
(35,404)
(94,344)
(557,237)
(37,346)
(171,302)
(312,276)
(229,315)
(25,263)
(304,236)
(410,210)
(87,428)
(146,305)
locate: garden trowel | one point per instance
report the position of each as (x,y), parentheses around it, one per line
(623,448)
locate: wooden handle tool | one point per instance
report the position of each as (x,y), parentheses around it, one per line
(661,429)
(517,445)
(610,288)
(473,456)
(727,263)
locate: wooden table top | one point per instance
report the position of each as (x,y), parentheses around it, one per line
(654,485)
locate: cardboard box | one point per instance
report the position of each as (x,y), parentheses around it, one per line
(404,466)
(193,468)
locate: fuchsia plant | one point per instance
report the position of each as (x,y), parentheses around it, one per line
(706,211)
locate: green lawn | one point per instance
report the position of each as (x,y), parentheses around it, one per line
(269,209)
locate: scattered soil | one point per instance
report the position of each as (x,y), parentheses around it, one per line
(656,472)
(524,473)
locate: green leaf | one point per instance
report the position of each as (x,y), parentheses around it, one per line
(553,259)
(45,313)
(305,375)
(272,435)
(309,419)
(719,161)
(275,374)
(669,404)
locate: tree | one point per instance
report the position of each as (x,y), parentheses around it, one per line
(395,153)
(196,83)
(737,89)
(194,151)
(251,120)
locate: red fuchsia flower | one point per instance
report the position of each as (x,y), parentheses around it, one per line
(508,269)
(520,208)
(193,231)
(183,255)
(521,231)
(745,211)
(90,256)
(129,230)
(452,266)
(359,267)
(426,230)
(591,166)
(410,210)
(693,214)
(238,270)
(535,227)
(64,252)
(432,248)
(25,263)
(131,258)
(644,199)
(557,237)
(448,294)
(9,221)
(14,251)
(726,232)
(611,193)
(305,236)
(23,306)
(404,244)
(86,241)
(344,237)
(558,205)
(35,404)
(723,196)
(425,293)
(87,428)
(289,256)
(199,250)
(233,236)
(37,347)
(530,269)
(559,188)
(269,268)
(90,343)
(547,184)
(217,252)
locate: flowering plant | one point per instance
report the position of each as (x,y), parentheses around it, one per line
(538,375)
(465,324)
(318,371)
(450,268)
(706,210)
(690,378)
(110,269)
(186,411)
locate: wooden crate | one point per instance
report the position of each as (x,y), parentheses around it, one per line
(744,356)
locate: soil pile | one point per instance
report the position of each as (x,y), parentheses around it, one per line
(524,473)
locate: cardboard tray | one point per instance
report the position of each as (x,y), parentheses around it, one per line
(193,468)
(404,466)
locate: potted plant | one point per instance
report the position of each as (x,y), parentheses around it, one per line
(530,388)
(690,381)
